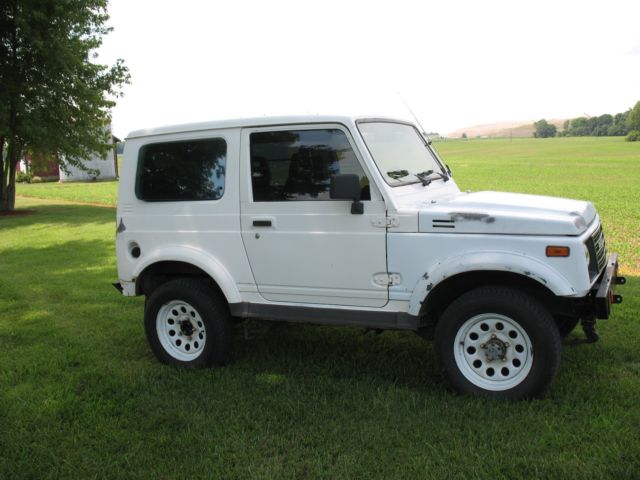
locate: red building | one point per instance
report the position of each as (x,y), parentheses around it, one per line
(39,166)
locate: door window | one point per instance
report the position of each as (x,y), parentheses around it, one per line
(297,165)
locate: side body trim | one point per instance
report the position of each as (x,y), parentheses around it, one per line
(326,316)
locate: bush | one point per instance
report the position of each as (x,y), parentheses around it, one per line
(36,179)
(22,177)
(634,136)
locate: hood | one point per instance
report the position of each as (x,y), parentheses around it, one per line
(506,213)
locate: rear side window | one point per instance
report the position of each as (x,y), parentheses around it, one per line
(182,171)
(298,165)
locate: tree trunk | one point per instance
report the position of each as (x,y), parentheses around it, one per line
(8,193)
(10,202)
(2,175)
(8,184)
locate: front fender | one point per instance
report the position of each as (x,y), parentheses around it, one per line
(489,261)
(197,258)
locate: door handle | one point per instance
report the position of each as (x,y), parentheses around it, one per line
(262,223)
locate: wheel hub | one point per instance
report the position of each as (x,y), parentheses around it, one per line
(186,327)
(495,349)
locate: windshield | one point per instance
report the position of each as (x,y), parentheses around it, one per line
(400,152)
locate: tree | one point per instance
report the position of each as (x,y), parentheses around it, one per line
(619,126)
(544,129)
(579,127)
(633,122)
(54,100)
(603,122)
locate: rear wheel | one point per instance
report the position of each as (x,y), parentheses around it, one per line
(188,324)
(498,342)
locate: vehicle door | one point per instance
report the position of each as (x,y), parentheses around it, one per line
(303,246)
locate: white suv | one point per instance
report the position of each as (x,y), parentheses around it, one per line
(352,221)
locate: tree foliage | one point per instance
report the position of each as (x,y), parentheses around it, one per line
(604,125)
(633,122)
(633,136)
(544,129)
(54,99)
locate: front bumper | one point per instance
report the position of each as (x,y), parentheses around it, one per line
(603,292)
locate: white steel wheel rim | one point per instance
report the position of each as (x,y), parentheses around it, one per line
(493,352)
(181,330)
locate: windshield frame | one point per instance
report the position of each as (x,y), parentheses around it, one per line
(424,141)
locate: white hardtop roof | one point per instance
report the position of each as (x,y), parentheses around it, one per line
(252,122)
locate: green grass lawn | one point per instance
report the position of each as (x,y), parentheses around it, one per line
(105,193)
(81,395)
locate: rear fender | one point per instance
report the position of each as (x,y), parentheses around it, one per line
(197,258)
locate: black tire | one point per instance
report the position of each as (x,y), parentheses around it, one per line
(566,325)
(517,325)
(188,324)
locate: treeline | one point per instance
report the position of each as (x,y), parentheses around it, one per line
(603,126)
(618,125)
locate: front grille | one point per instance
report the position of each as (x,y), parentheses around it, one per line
(597,252)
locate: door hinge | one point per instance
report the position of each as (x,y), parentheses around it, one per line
(385,222)
(387,279)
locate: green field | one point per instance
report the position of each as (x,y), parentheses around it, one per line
(81,396)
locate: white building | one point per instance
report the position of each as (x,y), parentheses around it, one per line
(107,168)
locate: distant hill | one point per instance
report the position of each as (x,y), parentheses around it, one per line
(503,129)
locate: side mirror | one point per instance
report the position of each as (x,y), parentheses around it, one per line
(347,187)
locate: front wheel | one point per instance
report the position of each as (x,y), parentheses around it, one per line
(498,342)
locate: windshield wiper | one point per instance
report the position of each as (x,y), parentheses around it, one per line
(397,174)
(426,178)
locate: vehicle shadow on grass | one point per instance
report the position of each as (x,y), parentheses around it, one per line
(403,358)
(70,214)
(344,353)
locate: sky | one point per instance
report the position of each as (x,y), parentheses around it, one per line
(455,63)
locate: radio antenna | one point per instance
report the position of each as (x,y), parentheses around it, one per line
(413,114)
(444,167)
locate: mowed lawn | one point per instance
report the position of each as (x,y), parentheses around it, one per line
(81,396)
(95,192)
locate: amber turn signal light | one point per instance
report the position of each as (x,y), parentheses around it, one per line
(555,251)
